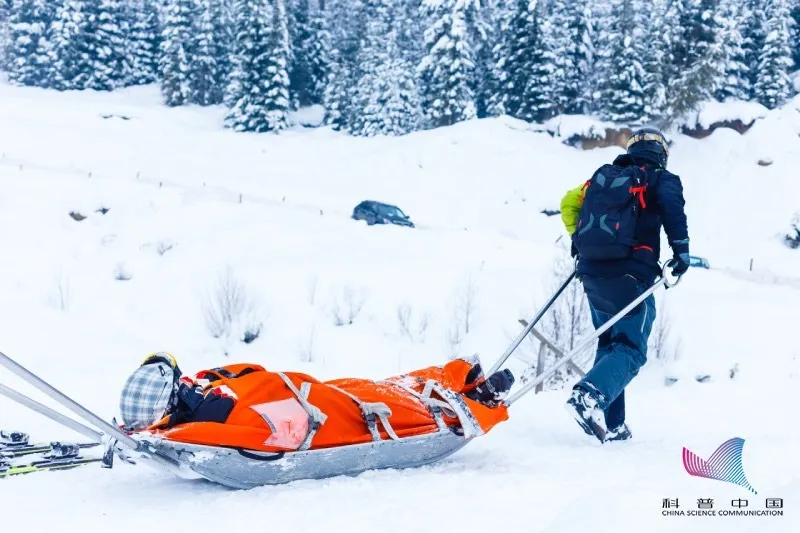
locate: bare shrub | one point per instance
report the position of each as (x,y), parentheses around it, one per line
(253,325)
(346,306)
(455,338)
(61,295)
(568,320)
(307,345)
(312,290)
(121,273)
(164,246)
(412,326)
(228,307)
(464,310)
(792,237)
(660,346)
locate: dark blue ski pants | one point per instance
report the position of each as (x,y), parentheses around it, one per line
(622,350)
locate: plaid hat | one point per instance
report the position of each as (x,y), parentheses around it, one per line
(148,395)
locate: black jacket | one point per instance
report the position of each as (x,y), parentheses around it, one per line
(665,207)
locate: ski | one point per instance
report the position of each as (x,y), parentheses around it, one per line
(7,469)
(17,444)
(59,457)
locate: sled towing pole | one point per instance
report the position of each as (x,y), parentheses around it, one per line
(514,345)
(88,416)
(582,345)
(50,413)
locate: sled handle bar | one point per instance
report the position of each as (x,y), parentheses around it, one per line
(514,345)
(589,339)
(52,414)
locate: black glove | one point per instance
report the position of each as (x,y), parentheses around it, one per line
(679,264)
(492,391)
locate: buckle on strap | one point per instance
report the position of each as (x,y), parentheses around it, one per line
(315,415)
(373,412)
(433,406)
(455,404)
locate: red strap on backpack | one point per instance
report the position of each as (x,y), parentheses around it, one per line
(640,191)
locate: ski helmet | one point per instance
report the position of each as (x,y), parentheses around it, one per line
(150,392)
(652,141)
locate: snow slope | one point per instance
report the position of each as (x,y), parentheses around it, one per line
(188,201)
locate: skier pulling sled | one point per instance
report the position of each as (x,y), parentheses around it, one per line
(242,426)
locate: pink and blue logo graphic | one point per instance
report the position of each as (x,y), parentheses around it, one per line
(725,464)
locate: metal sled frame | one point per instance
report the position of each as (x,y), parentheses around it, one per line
(244,469)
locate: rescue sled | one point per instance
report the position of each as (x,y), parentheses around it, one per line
(241,468)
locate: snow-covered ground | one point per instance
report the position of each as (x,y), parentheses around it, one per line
(189,202)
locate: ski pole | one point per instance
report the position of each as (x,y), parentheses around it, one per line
(23,400)
(67,402)
(583,344)
(514,345)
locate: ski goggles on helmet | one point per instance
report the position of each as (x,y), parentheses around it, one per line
(648,136)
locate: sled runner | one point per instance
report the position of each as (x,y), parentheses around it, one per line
(446,421)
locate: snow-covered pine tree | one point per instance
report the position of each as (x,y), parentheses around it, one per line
(70,68)
(143,42)
(446,70)
(735,82)
(175,52)
(796,34)
(386,94)
(574,51)
(525,58)
(258,94)
(481,38)
(346,22)
(104,34)
(538,98)
(773,86)
(700,61)
(656,55)
(311,43)
(222,21)
(623,89)
(203,77)
(277,103)
(29,53)
(5,14)
(498,76)
(753,28)
(300,84)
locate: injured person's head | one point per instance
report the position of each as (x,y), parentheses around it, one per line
(150,392)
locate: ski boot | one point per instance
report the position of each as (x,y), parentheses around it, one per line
(584,408)
(13,439)
(619,433)
(60,451)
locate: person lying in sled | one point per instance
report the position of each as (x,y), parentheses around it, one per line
(247,406)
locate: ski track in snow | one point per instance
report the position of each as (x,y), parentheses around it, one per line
(476,191)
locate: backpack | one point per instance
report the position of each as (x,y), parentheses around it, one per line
(613,199)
